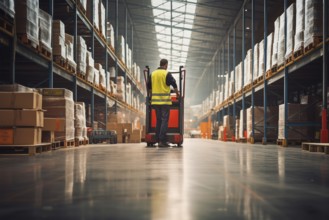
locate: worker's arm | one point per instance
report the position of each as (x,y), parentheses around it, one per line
(170,81)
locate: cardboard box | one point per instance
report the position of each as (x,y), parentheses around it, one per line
(20,100)
(6,136)
(136,136)
(120,139)
(128,127)
(26,117)
(26,136)
(15,88)
(54,124)
(57,92)
(20,136)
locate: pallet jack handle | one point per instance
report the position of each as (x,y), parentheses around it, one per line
(146,78)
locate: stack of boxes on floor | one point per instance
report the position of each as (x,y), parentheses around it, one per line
(225,131)
(126,132)
(59,108)
(304,28)
(21,113)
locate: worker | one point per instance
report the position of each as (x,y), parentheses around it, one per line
(159,87)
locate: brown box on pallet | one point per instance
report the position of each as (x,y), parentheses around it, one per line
(128,127)
(26,117)
(54,124)
(59,28)
(20,136)
(115,126)
(57,93)
(20,100)
(136,136)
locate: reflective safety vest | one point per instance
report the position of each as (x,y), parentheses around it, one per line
(160,90)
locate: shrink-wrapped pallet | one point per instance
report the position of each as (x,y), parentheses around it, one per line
(90,68)
(102,23)
(261,66)
(248,68)
(110,34)
(281,42)
(94,17)
(256,60)
(275,42)
(83,3)
(242,117)
(96,77)
(297,113)
(272,117)
(300,25)
(82,56)
(112,72)
(102,79)
(290,30)
(58,103)
(269,51)
(313,21)
(120,83)
(27,13)
(121,49)
(69,40)
(237,127)
(58,38)
(8,6)
(45,28)
(79,120)
(226,87)
(238,77)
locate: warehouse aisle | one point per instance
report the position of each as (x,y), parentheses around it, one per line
(204,180)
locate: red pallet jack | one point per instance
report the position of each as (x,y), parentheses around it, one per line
(176,118)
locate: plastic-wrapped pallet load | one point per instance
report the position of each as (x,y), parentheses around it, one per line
(281,46)
(58,104)
(226,87)
(83,120)
(102,24)
(313,21)
(79,119)
(69,40)
(27,13)
(275,42)
(241,130)
(290,30)
(21,121)
(248,70)
(82,56)
(96,77)
(8,6)
(113,88)
(58,37)
(110,34)
(45,27)
(256,60)
(90,68)
(272,117)
(297,113)
(237,127)
(228,121)
(121,89)
(112,72)
(83,3)
(269,51)
(129,94)
(121,49)
(261,66)
(94,17)
(300,25)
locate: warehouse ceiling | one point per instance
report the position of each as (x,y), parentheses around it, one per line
(186,32)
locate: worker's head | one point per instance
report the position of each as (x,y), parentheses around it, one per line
(164,63)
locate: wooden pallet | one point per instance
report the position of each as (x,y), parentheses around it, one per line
(45,52)
(286,143)
(67,143)
(268,74)
(25,40)
(60,61)
(79,142)
(290,59)
(298,53)
(25,149)
(274,68)
(56,145)
(280,67)
(315,42)
(241,140)
(316,147)
(7,24)
(81,75)
(70,68)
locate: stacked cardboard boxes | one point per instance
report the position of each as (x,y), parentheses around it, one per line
(69,40)
(45,28)
(58,37)
(21,118)
(96,77)
(27,13)
(59,104)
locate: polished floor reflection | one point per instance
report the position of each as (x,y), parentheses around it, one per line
(204,180)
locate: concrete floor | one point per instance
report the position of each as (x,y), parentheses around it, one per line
(204,180)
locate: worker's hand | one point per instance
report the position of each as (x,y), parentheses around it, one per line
(178,94)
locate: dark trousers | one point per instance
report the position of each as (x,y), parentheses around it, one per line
(162,114)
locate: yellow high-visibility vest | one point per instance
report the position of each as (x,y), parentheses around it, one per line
(160,90)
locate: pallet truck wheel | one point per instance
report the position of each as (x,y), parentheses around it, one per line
(149,144)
